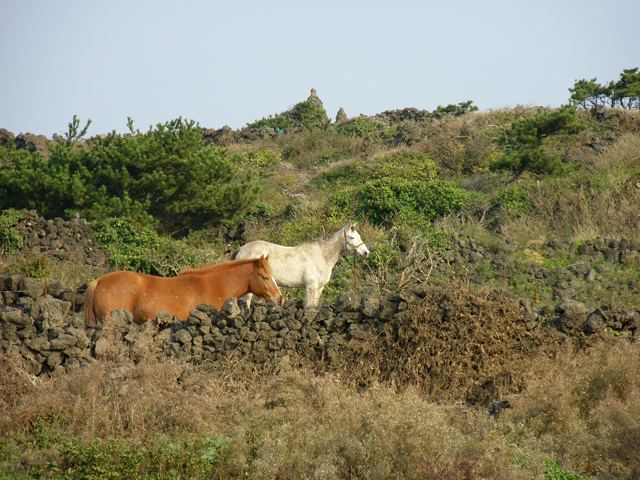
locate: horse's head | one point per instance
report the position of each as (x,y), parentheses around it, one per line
(262,283)
(353,242)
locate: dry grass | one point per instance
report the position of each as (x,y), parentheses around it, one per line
(624,153)
(607,203)
(579,409)
(585,409)
(287,426)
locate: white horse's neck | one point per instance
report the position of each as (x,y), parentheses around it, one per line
(333,245)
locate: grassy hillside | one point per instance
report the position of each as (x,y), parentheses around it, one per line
(543,202)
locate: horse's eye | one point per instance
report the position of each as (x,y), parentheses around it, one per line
(265,278)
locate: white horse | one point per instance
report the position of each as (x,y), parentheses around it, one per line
(309,264)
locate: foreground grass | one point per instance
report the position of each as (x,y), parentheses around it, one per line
(579,417)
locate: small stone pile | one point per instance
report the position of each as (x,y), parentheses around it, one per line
(59,240)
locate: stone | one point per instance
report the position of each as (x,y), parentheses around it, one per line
(24,302)
(259,314)
(121,320)
(421,289)
(13,282)
(591,275)
(634,320)
(230,308)
(33,366)
(72,351)
(275,343)
(183,336)
(309,316)
(573,314)
(55,288)
(16,317)
(82,341)
(293,324)
(101,348)
(612,254)
(251,336)
(348,317)
(346,302)
(388,310)
(207,308)
(63,341)
(163,335)
(39,343)
(51,312)
(31,288)
(580,268)
(475,257)
(594,323)
(357,331)
(164,319)
(197,317)
(54,359)
(9,298)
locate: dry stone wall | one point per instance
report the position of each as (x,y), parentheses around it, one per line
(43,333)
(59,240)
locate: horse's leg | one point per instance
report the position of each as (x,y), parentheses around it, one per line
(313,296)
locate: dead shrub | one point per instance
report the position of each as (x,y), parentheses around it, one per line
(457,344)
(14,383)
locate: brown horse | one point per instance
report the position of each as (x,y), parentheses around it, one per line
(145,295)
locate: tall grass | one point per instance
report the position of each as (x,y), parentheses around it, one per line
(579,411)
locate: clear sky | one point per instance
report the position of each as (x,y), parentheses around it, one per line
(232,62)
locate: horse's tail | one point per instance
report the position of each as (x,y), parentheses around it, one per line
(234,254)
(89,313)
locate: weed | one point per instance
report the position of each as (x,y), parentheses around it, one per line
(9,238)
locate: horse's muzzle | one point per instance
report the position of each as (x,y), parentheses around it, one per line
(364,253)
(281,302)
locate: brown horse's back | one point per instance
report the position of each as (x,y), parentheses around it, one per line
(145,295)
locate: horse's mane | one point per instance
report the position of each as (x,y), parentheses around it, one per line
(215,266)
(325,237)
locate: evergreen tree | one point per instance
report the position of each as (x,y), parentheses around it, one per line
(164,177)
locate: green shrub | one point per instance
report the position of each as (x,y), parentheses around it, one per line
(414,201)
(362,127)
(525,139)
(307,113)
(514,201)
(459,109)
(134,247)
(9,238)
(119,458)
(553,472)
(127,243)
(165,175)
(263,158)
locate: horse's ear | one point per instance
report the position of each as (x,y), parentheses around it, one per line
(353,226)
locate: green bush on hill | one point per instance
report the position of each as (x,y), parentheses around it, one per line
(525,139)
(164,177)
(414,201)
(9,238)
(307,113)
